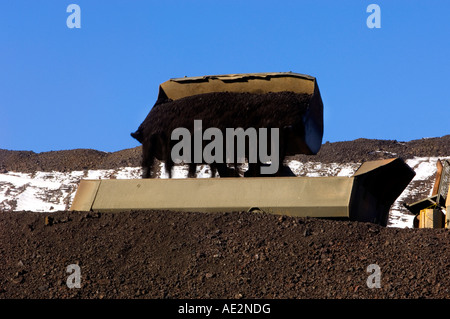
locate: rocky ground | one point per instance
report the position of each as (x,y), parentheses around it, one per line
(160,254)
(362,150)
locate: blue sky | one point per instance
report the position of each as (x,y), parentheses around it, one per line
(91,87)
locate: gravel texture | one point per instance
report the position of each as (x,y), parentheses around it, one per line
(359,150)
(161,254)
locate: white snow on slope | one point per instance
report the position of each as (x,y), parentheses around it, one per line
(53,191)
(50,191)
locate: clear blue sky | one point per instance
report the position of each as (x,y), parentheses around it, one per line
(64,88)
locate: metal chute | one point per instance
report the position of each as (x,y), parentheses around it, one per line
(366,196)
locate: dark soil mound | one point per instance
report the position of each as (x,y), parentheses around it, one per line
(66,161)
(221,110)
(158,254)
(362,150)
(225,110)
(356,151)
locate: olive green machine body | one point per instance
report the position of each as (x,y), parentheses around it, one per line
(366,196)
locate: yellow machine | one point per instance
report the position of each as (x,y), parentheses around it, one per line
(430,211)
(431,218)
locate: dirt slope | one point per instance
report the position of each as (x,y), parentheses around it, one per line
(339,152)
(157,254)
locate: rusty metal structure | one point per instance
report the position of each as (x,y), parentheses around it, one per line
(430,211)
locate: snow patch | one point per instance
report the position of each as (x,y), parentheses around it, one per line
(53,191)
(50,191)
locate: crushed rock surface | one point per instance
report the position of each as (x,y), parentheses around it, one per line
(162,254)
